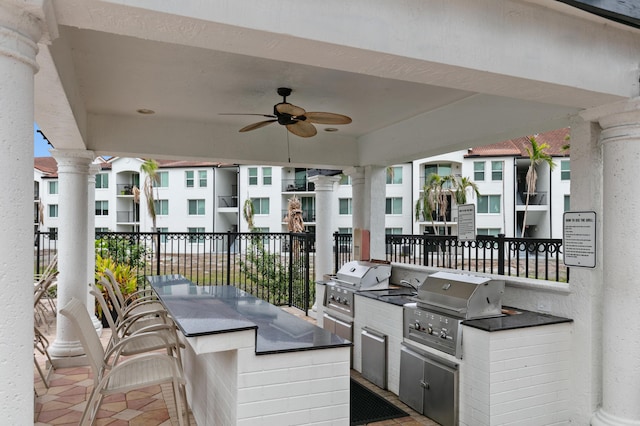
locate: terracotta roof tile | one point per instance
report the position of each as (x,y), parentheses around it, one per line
(517,147)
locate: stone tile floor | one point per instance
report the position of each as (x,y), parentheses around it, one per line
(63,402)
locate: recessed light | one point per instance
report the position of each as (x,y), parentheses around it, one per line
(145,111)
(330,129)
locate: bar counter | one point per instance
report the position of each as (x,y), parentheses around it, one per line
(250,362)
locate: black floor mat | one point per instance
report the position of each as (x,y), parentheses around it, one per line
(367,407)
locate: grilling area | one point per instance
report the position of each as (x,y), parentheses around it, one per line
(448,345)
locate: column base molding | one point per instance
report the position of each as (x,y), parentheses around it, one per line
(602,418)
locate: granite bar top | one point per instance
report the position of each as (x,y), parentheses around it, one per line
(210,309)
(514,318)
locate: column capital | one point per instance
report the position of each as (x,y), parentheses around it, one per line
(324,183)
(23,24)
(73,160)
(619,121)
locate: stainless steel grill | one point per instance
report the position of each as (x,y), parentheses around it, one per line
(355,276)
(446,299)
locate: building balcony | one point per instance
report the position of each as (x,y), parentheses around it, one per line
(308,215)
(225,201)
(125,189)
(127,217)
(297,185)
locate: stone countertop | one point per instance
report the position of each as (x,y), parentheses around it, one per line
(514,318)
(398,296)
(210,309)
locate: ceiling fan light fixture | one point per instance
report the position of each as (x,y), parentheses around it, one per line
(296,119)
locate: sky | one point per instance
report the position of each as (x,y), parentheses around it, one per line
(40,146)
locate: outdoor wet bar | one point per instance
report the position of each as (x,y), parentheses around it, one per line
(248,362)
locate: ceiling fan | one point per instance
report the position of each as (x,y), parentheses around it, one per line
(298,121)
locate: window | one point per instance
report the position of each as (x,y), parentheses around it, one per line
(567,203)
(489,204)
(394,205)
(163,179)
(344,205)
(162,207)
(163,238)
(53,187)
(53,210)
(478,170)
(100,229)
(190,181)
(394,175)
(202,178)
(262,230)
(565,170)
(102,181)
(345,231)
(488,231)
(253,175)
(53,234)
(195,238)
(196,207)
(345,180)
(393,231)
(496,170)
(266,175)
(102,208)
(439,169)
(260,205)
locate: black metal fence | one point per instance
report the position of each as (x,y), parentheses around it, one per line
(520,257)
(277,267)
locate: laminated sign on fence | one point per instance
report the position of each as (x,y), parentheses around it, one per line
(579,235)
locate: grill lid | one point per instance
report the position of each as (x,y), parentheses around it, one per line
(361,275)
(461,295)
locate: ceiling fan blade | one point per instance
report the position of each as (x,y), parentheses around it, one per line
(287,108)
(327,118)
(302,129)
(241,113)
(257,125)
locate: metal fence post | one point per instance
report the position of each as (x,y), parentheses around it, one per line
(500,254)
(157,252)
(290,283)
(228,257)
(307,255)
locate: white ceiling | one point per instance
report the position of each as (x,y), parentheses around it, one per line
(190,62)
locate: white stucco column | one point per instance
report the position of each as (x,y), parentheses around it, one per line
(368,185)
(374,207)
(91,251)
(325,212)
(19,32)
(620,139)
(357,176)
(73,175)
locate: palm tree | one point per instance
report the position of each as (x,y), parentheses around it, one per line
(537,155)
(463,184)
(152,178)
(435,198)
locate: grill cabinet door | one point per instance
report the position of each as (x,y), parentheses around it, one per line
(441,392)
(411,374)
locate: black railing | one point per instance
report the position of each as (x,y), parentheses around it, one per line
(536,258)
(277,267)
(520,257)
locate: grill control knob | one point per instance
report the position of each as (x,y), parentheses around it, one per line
(417,325)
(346,302)
(429,330)
(443,334)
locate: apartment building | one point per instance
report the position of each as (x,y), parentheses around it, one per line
(208,197)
